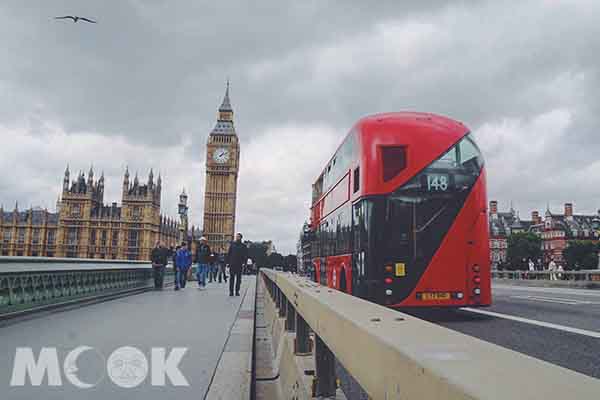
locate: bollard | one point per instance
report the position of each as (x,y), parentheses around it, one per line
(302,337)
(290,321)
(325,369)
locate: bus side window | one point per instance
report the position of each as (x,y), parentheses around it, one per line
(356,179)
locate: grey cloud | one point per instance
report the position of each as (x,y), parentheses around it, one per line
(153,72)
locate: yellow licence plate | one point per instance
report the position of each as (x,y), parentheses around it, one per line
(436,296)
(400,269)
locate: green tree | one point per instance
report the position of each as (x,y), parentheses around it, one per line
(275,260)
(523,246)
(581,254)
(257,251)
(291,263)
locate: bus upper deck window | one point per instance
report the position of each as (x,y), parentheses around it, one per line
(356,179)
(393,159)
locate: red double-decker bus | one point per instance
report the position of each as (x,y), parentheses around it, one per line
(399,214)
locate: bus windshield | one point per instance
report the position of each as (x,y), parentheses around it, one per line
(420,212)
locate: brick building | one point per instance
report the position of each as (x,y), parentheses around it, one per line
(554,229)
(502,225)
(557,229)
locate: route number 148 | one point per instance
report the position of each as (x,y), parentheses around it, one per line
(437,183)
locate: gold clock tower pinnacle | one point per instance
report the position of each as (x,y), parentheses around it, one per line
(222,166)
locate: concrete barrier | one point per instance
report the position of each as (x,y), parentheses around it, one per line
(290,375)
(397,356)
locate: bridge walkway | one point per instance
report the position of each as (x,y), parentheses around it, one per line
(213,327)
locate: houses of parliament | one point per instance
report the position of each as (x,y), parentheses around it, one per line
(84,227)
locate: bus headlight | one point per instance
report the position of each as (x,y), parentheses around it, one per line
(477,291)
(388,292)
(459,295)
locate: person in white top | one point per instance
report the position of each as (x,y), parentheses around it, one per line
(560,271)
(552,268)
(531,267)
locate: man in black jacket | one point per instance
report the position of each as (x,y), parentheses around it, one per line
(159,258)
(173,255)
(203,259)
(236,257)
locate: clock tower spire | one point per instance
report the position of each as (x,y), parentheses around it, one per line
(222,166)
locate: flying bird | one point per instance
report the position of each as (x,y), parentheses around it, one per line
(75,18)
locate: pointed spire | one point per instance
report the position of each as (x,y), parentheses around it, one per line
(159,181)
(151,176)
(17,206)
(91,172)
(136,181)
(226,104)
(66,179)
(126,179)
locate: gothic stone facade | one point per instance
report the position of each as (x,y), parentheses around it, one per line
(222,165)
(83,227)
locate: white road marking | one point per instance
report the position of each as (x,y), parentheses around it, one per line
(560,300)
(535,322)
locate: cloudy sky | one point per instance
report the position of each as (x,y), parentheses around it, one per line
(141,88)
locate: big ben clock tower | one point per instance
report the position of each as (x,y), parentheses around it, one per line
(222,165)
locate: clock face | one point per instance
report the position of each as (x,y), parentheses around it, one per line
(221,155)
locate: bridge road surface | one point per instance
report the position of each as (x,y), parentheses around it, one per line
(199,320)
(558,325)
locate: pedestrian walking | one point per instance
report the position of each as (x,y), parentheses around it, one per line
(203,259)
(560,271)
(214,267)
(552,270)
(159,258)
(183,259)
(222,274)
(236,258)
(249,267)
(173,253)
(531,266)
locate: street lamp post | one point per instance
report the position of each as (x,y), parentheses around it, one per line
(183,215)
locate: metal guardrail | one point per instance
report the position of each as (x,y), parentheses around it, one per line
(592,275)
(397,356)
(34,282)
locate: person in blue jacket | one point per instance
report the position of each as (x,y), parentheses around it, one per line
(183,259)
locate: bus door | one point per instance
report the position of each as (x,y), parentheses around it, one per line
(399,248)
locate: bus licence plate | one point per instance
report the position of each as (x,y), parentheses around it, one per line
(436,296)
(400,269)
